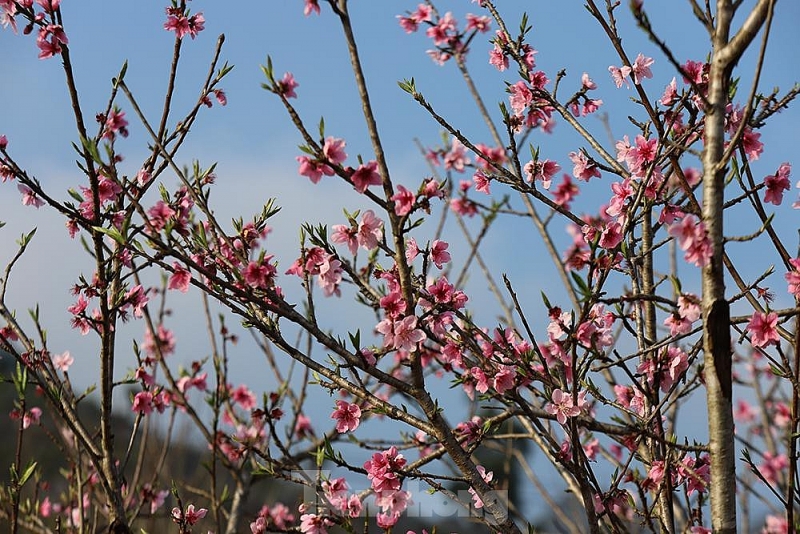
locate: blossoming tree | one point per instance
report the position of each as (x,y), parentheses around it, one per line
(597,388)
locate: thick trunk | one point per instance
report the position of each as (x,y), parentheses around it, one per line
(716,312)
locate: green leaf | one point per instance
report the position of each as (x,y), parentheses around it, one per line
(113,233)
(581,283)
(29,470)
(90,148)
(408,86)
(25,239)
(355,339)
(546,301)
(120,76)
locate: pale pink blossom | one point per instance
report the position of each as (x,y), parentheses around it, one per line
(29,198)
(521,97)
(763,329)
(641,68)
(63,361)
(793,277)
(456,158)
(542,170)
(348,416)
(313,523)
(670,95)
(333,150)
(190,517)
(562,406)
(583,169)
(311,6)
(619,75)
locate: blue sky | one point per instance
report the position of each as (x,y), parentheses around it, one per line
(253,140)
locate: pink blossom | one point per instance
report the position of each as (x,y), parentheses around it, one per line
(312,169)
(412,249)
(622,192)
(587,83)
(478,23)
(583,169)
(752,146)
(481,182)
(29,198)
(489,157)
(165,343)
(504,380)
(562,406)
(160,214)
(333,150)
(542,170)
(115,123)
(50,39)
(287,85)
(565,192)
(693,239)
(370,230)
(776,184)
(611,236)
(406,335)
(408,24)
(403,201)
(243,397)
(773,466)
(313,523)
(143,403)
(31,417)
(619,75)
(590,105)
(63,361)
(464,206)
(498,59)
(670,95)
(521,97)
(775,525)
(345,234)
(763,329)
(259,274)
(439,254)
(49,5)
(348,416)
(365,176)
(383,470)
(641,68)
(392,503)
(183,25)
(393,304)
(156,498)
(311,6)
(330,275)
(190,517)
(456,158)
(302,427)
(180,278)
(441,291)
(442,30)
(793,277)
